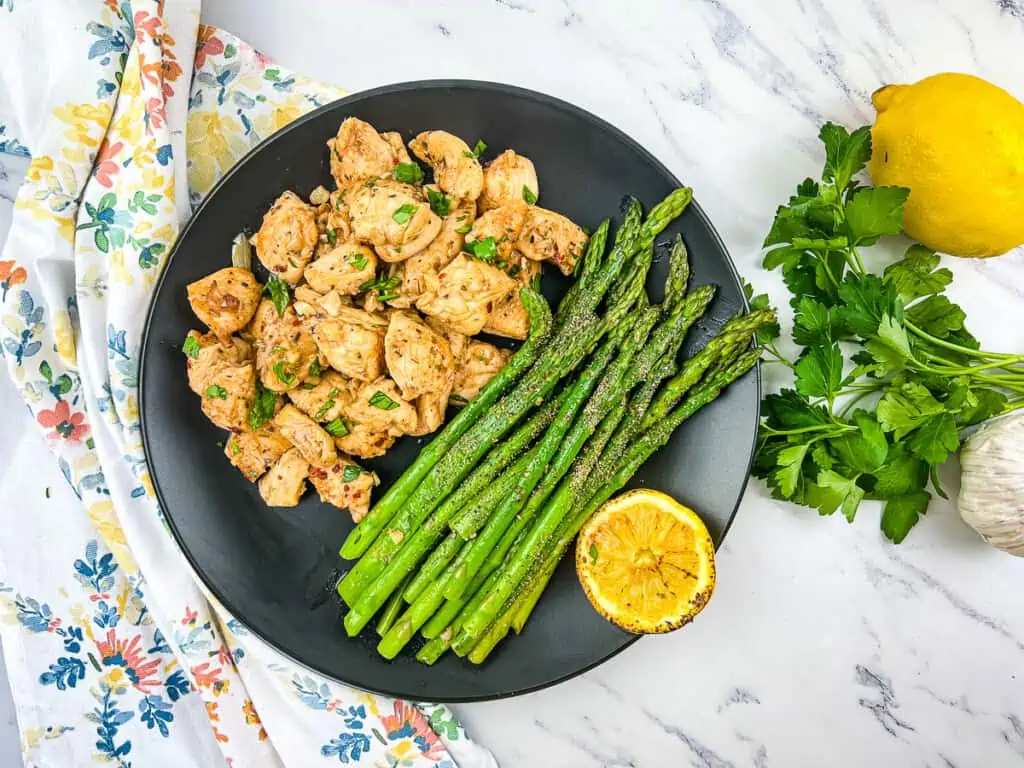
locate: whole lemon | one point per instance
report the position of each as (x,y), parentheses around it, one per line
(957,142)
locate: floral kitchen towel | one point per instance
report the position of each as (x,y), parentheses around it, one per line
(115,653)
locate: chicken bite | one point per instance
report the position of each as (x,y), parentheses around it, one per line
(346,485)
(226,300)
(254,452)
(352,341)
(324,400)
(380,407)
(418,358)
(205,354)
(284,482)
(456,170)
(509,317)
(344,269)
(359,153)
(509,178)
(462,294)
(287,238)
(394,218)
(480,363)
(284,349)
(549,236)
(503,226)
(229,393)
(315,445)
(364,442)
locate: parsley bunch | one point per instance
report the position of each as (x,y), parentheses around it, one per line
(888,374)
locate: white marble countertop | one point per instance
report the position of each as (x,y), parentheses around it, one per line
(824,644)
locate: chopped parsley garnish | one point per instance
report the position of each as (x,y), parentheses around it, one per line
(464,229)
(336,428)
(235,449)
(263,407)
(357,260)
(384,286)
(403,213)
(276,290)
(485,250)
(285,373)
(350,473)
(440,203)
(191,347)
(382,401)
(322,411)
(479,148)
(216,390)
(528,195)
(307,385)
(315,369)
(332,234)
(408,173)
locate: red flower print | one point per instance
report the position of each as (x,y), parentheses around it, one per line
(106,167)
(156,114)
(207,45)
(128,656)
(409,723)
(214,717)
(11,274)
(253,718)
(65,424)
(190,616)
(144,23)
(206,677)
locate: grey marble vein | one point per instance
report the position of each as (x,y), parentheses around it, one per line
(702,755)
(883,708)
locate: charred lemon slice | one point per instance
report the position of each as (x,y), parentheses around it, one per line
(646,562)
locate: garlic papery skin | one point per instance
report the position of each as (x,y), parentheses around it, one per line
(992,483)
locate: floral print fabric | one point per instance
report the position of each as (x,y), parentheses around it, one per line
(116,654)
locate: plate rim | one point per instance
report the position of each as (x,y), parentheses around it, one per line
(205,583)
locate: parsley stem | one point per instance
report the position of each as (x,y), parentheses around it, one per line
(1013,383)
(853,401)
(778,356)
(957,348)
(856,256)
(837,429)
(970,369)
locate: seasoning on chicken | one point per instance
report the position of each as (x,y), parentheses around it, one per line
(284,482)
(315,445)
(549,236)
(254,452)
(352,342)
(364,442)
(207,354)
(346,485)
(394,218)
(456,169)
(287,238)
(229,392)
(509,317)
(479,364)
(457,341)
(418,358)
(463,294)
(509,178)
(344,269)
(503,226)
(379,406)
(324,400)
(226,300)
(359,153)
(445,247)
(284,349)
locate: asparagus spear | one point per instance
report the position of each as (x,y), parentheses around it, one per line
(391,611)
(435,563)
(678,274)
(373,524)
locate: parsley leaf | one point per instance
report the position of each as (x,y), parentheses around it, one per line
(864,450)
(875,211)
(485,250)
(382,401)
(350,473)
(819,372)
(336,428)
(832,491)
(263,407)
(479,148)
(902,513)
(357,260)
(285,372)
(191,347)
(846,154)
(528,195)
(408,173)
(935,439)
(216,391)
(403,213)
(277,291)
(440,203)
(916,274)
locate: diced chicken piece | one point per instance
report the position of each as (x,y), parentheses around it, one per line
(456,170)
(364,442)
(229,393)
(254,452)
(287,238)
(418,358)
(503,225)
(309,303)
(462,294)
(479,364)
(226,300)
(549,236)
(507,179)
(457,341)
(379,406)
(315,445)
(445,247)
(394,138)
(343,269)
(325,400)
(332,221)
(509,317)
(284,349)
(285,481)
(430,410)
(346,485)
(359,153)
(394,218)
(208,354)
(352,342)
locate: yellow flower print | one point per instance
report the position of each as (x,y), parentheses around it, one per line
(120,273)
(115,678)
(370,701)
(65,337)
(86,123)
(215,142)
(105,519)
(147,483)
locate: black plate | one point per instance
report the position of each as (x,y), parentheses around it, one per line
(268,567)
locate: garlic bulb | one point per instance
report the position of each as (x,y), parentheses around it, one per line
(992,483)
